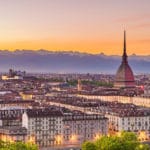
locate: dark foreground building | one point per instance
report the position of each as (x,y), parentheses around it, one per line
(124,76)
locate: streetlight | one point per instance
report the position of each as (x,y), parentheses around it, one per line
(31,139)
(58,139)
(142,135)
(73,138)
(97,136)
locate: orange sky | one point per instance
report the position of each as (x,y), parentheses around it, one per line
(83,25)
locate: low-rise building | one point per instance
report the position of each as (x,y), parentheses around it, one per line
(26,95)
(146,91)
(13,134)
(12,103)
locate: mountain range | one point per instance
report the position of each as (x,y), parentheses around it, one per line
(68,62)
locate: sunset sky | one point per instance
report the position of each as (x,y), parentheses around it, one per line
(92,26)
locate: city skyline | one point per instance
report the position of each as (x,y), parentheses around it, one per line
(85,26)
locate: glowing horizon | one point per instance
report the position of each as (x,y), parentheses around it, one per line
(66,25)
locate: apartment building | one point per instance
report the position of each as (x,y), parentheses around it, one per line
(80,127)
(50,127)
(130,120)
(44,126)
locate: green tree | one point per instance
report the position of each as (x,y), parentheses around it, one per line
(129,140)
(143,147)
(17,146)
(31,146)
(128,136)
(126,141)
(109,143)
(88,146)
(2,144)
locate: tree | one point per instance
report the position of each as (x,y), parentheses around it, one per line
(126,141)
(88,146)
(143,147)
(17,146)
(129,140)
(109,143)
(128,136)
(31,146)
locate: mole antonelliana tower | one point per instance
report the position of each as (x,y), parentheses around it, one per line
(124,75)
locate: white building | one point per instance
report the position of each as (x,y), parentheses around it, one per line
(137,122)
(14,75)
(80,127)
(5,77)
(53,127)
(140,101)
(44,126)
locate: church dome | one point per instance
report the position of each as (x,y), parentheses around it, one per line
(124,76)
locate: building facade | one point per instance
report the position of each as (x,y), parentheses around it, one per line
(49,128)
(44,126)
(13,134)
(80,127)
(135,122)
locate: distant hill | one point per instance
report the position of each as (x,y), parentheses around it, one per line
(68,62)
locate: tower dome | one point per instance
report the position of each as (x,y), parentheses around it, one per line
(124,76)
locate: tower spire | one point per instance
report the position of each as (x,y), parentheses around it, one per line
(124,49)
(124,42)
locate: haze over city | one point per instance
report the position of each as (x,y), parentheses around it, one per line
(80,25)
(74,75)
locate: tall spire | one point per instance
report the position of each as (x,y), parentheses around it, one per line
(124,57)
(124,42)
